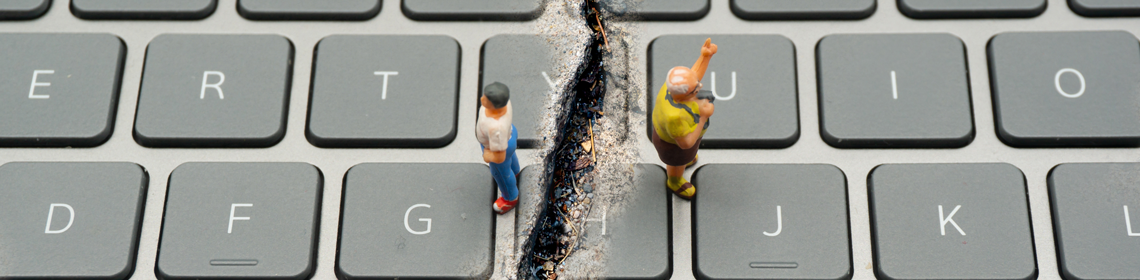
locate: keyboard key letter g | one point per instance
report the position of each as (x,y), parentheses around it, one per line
(409,228)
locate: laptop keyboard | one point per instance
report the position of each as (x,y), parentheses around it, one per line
(294,139)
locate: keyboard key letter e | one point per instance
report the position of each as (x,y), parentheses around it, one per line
(32,91)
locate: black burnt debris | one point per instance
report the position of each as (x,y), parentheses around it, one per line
(567,179)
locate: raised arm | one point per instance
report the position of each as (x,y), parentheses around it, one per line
(707,51)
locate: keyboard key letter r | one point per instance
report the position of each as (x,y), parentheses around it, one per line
(216,86)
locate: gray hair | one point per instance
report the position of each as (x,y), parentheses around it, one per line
(498,94)
(675,87)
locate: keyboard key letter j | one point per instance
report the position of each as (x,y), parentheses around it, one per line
(779,223)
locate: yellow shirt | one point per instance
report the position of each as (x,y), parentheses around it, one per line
(674,120)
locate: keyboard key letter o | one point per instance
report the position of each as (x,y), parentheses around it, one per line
(1057,82)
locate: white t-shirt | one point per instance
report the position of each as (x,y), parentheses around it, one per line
(499,140)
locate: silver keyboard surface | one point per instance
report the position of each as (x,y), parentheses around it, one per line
(810,148)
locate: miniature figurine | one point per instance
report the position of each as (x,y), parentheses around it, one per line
(679,121)
(498,138)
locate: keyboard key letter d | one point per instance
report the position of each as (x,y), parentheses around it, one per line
(51,211)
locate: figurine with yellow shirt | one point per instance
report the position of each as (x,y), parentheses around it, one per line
(679,120)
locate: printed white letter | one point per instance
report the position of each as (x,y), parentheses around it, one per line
(603,220)
(32,91)
(1057,82)
(712,87)
(217,86)
(51,210)
(409,228)
(895,88)
(779,223)
(232,218)
(1128,223)
(384,90)
(949,219)
(548,81)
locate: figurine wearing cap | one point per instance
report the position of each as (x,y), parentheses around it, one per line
(498,138)
(679,120)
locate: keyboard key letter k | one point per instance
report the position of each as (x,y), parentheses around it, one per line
(949,219)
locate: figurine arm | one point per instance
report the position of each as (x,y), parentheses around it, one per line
(707,51)
(490,156)
(687,141)
(706,111)
(494,151)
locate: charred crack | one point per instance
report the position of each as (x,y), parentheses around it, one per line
(567,173)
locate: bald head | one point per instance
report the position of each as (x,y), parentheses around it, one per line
(681,80)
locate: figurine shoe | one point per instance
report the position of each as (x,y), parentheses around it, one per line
(685,191)
(502,206)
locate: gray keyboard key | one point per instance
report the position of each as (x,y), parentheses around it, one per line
(308,9)
(1096,219)
(971,8)
(740,230)
(70,220)
(522,62)
(1049,90)
(658,9)
(950,221)
(802,9)
(637,234)
(416,220)
(471,10)
(23,9)
(64,88)
(232,220)
(384,91)
(143,9)
(753,78)
(894,91)
(214,90)
(1105,8)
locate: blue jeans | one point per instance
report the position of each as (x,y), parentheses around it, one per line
(504,173)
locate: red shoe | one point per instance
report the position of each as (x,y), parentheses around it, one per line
(502,206)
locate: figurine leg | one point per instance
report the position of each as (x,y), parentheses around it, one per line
(514,158)
(676,182)
(675,160)
(504,174)
(506,180)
